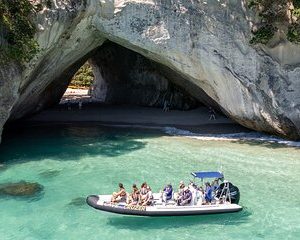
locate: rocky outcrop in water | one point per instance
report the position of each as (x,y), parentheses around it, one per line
(20,189)
(203,46)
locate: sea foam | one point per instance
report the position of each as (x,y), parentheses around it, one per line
(246,136)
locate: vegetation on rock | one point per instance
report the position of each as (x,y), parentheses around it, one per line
(17,30)
(293,34)
(263,34)
(274,13)
(83,77)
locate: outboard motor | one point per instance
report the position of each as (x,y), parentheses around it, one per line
(234,192)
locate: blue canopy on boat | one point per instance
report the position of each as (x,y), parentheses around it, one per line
(207,175)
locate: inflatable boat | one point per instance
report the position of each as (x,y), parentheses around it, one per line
(225,200)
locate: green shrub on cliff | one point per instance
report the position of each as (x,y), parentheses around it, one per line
(263,34)
(293,34)
(17,30)
(272,14)
(84,76)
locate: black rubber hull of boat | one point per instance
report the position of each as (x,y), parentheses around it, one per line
(93,199)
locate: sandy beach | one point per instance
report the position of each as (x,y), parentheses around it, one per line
(196,120)
(96,113)
(73,95)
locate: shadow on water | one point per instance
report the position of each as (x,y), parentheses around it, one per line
(133,223)
(49,173)
(69,143)
(272,145)
(78,202)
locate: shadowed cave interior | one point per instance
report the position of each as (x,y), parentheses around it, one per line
(124,77)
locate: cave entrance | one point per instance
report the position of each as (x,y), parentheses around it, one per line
(124,77)
(117,85)
(114,75)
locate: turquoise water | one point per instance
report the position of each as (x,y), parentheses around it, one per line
(73,162)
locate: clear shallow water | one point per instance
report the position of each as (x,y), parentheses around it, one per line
(73,162)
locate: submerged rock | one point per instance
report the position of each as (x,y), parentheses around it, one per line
(22,189)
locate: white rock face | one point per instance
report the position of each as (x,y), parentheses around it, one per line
(206,42)
(10,78)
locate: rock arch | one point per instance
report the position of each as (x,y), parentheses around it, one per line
(205,45)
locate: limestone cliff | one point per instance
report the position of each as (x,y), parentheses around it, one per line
(203,44)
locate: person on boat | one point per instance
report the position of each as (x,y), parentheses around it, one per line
(215,185)
(208,193)
(180,190)
(130,196)
(185,198)
(195,192)
(119,196)
(143,191)
(200,196)
(134,196)
(167,193)
(149,197)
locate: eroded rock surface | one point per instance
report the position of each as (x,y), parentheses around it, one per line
(204,42)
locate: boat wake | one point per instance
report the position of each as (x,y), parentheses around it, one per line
(245,136)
